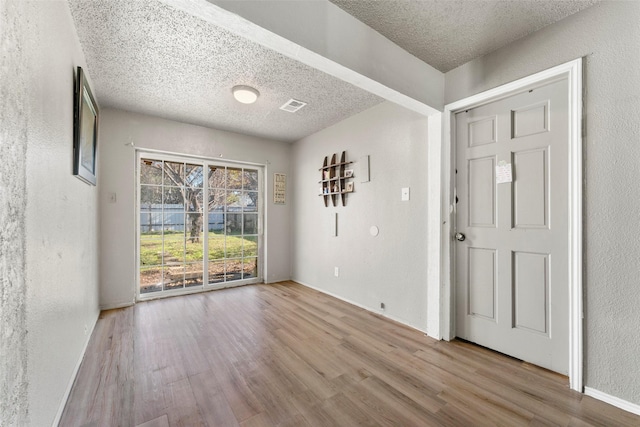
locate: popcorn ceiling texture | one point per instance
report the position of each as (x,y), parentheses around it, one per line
(13,197)
(448,33)
(148,57)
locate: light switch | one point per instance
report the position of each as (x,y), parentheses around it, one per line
(405,194)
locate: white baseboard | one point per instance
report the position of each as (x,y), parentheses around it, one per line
(612,400)
(114,306)
(369,309)
(65,397)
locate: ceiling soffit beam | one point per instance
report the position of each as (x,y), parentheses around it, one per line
(323,36)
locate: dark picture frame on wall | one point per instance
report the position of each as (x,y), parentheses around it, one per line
(85,130)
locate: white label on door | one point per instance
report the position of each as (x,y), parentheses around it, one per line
(503,173)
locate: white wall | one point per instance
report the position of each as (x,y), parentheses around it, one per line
(57,248)
(608,36)
(117,166)
(391,267)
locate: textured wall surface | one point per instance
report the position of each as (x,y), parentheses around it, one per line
(118,175)
(49,269)
(608,37)
(13,146)
(391,267)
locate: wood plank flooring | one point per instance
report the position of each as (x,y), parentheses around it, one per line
(286,355)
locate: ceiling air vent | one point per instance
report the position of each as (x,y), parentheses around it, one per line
(293,105)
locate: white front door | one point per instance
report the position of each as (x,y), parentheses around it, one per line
(512,269)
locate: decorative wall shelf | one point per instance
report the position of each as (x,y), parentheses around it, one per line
(336,179)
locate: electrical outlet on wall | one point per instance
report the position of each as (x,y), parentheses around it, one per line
(381,306)
(336,271)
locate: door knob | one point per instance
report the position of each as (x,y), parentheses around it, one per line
(460,237)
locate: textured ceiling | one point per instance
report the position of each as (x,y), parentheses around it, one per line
(148,57)
(449,33)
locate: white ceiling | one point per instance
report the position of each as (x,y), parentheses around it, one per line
(149,57)
(449,33)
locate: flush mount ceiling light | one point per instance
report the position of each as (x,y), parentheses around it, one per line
(245,94)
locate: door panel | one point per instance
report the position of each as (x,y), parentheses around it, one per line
(512,269)
(531,291)
(531,189)
(482,282)
(481,192)
(482,131)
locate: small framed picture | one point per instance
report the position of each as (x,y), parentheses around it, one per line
(348,187)
(85,130)
(279,188)
(348,173)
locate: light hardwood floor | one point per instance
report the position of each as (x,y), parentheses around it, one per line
(286,355)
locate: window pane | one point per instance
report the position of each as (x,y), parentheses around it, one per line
(250,223)
(193,176)
(217,177)
(250,180)
(150,279)
(234,270)
(174,174)
(194,200)
(216,246)
(234,179)
(217,200)
(173,199)
(216,222)
(251,246)
(250,201)
(150,172)
(234,201)
(194,275)
(150,195)
(234,224)
(233,246)
(194,245)
(174,247)
(151,219)
(250,268)
(150,248)
(216,272)
(173,222)
(173,277)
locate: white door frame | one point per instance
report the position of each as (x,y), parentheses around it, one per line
(205,161)
(442,214)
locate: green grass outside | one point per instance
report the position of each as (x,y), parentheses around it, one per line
(220,247)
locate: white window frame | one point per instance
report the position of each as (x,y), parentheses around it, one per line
(205,162)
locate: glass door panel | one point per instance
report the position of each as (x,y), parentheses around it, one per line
(189,220)
(171,232)
(233,223)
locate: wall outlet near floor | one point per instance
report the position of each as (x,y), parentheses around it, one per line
(381,306)
(336,271)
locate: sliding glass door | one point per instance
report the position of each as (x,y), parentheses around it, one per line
(199,225)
